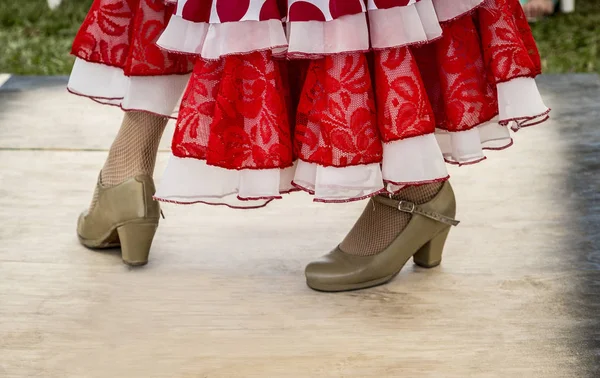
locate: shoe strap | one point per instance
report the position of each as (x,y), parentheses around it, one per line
(412,208)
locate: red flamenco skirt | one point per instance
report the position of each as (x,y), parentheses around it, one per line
(342,99)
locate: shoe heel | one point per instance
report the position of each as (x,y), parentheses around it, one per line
(136,240)
(430,255)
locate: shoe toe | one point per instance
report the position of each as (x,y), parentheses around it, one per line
(323,270)
(332,270)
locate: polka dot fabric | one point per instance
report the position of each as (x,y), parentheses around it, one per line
(218,11)
(307,28)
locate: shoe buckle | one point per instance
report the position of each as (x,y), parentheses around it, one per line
(407,207)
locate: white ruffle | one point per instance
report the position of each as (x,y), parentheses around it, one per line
(415,23)
(187,181)
(109,85)
(429,19)
(402,26)
(466,147)
(413,160)
(393,27)
(345,34)
(410,161)
(339,184)
(212,41)
(520,102)
(450,9)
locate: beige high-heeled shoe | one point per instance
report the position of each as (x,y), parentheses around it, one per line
(125,215)
(423,239)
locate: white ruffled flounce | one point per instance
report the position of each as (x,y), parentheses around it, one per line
(520,103)
(109,85)
(447,10)
(403,26)
(189,181)
(416,23)
(213,41)
(412,24)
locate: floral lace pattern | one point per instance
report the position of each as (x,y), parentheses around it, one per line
(124,33)
(403,109)
(336,123)
(235,114)
(508,45)
(455,77)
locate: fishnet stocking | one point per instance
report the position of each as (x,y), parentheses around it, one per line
(134,150)
(379,224)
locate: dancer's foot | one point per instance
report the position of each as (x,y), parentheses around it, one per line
(124,215)
(122,212)
(415,222)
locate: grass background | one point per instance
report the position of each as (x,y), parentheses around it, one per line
(36,41)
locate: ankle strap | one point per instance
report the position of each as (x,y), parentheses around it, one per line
(412,208)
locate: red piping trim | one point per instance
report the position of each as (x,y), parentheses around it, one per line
(523,121)
(418,183)
(466,163)
(268,199)
(99,101)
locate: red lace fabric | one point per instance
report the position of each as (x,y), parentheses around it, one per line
(235,114)
(455,78)
(336,123)
(403,109)
(508,45)
(123,34)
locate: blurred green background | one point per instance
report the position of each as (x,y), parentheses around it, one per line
(36,41)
